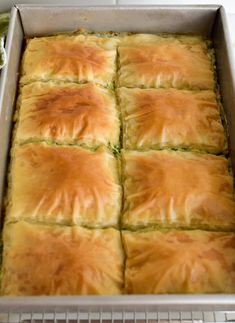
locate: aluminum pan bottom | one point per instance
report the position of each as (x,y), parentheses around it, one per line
(26,20)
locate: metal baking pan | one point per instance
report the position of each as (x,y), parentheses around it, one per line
(35,20)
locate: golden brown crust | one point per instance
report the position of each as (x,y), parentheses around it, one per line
(165,62)
(156,118)
(179,262)
(56,184)
(55,187)
(80,58)
(54,260)
(177,189)
(68,113)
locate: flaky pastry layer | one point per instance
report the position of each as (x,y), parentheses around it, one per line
(77,58)
(66,185)
(157,118)
(153,61)
(60,260)
(177,190)
(179,262)
(68,113)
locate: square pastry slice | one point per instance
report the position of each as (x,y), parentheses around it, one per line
(157,118)
(154,61)
(66,185)
(177,189)
(68,113)
(60,260)
(77,58)
(179,262)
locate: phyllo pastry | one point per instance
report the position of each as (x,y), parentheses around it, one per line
(179,262)
(157,118)
(155,61)
(177,189)
(68,113)
(65,185)
(60,260)
(77,58)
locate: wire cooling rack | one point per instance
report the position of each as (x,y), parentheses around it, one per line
(117,317)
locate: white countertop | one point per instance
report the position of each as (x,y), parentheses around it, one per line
(231,24)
